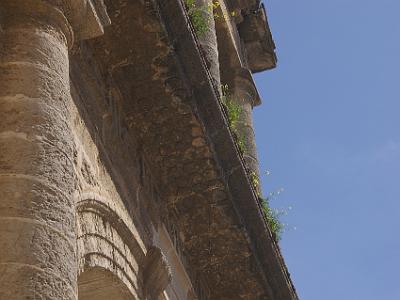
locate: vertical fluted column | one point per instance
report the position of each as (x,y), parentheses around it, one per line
(37,181)
(244,94)
(208,41)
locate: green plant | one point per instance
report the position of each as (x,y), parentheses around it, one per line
(241,143)
(273,215)
(215,5)
(273,218)
(255,181)
(233,111)
(200,16)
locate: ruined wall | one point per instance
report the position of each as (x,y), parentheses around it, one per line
(77,212)
(106,235)
(120,177)
(117,200)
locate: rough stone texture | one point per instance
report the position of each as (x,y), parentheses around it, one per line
(245,95)
(119,177)
(101,285)
(208,42)
(37,250)
(257,38)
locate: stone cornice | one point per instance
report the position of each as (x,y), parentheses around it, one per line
(244,197)
(255,33)
(258,41)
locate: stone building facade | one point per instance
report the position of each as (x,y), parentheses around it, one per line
(120,177)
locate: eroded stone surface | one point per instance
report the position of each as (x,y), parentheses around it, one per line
(114,182)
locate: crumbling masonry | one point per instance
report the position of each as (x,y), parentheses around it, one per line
(120,177)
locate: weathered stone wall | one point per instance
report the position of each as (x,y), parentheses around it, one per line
(115,180)
(67,211)
(119,177)
(107,237)
(117,197)
(37,181)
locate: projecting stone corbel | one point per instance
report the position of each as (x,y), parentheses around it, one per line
(88,18)
(156,273)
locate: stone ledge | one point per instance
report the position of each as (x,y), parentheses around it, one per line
(257,37)
(244,199)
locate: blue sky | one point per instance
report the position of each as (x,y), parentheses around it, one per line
(328,131)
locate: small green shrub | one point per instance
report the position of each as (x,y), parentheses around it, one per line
(199,17)
(255,181)
(241,143)
(233,111)
(216,4)
(272,216)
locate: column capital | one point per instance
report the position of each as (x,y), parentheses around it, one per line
(245,88)
(78,19)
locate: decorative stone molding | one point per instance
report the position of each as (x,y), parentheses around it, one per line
(88,17)
(107,240)
(82,19)
(244,87)
(156,273)
(41,13)
(257,39)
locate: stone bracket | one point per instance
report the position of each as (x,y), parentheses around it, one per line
(88,18)
(156,272)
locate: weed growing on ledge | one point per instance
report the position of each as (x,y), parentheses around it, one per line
(272,216)
(241,143)
(215,5)
(255,181)
(233,112)
(199,16)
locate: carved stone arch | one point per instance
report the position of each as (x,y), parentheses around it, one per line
(108,241)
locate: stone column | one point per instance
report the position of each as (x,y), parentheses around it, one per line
(245,94)
(37,178)
(208,42)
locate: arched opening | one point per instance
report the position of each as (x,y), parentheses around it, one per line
(100,284)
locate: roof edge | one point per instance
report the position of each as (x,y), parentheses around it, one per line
(244,197)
